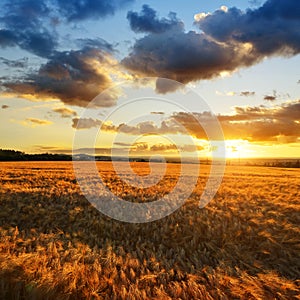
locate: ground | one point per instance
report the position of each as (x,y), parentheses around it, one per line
(244,244)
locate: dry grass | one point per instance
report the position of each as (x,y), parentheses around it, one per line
(54,245)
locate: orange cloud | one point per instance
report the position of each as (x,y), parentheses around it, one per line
(65,112)
(33,122)
(279,124)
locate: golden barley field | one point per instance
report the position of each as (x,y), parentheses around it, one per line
(245,244)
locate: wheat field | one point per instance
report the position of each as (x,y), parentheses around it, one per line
(245,244)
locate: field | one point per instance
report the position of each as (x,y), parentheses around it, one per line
(245,244)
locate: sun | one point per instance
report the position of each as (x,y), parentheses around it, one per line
(236,148)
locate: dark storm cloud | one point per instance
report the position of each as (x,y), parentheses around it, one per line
(24,13)
(7,38)
(147,21)
(41,43)
(74,77)
(75,10)
(230,39)
(272,28)
(184,57)
(30,24)
(23,26)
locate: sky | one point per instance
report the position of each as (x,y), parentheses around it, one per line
(150,77)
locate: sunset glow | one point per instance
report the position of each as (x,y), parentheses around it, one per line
(252,86)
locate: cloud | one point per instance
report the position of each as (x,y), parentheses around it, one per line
(23,26)
(75,77)
(229,39)
(247,93)
(7,38)
(194,123)
(174,148)
(275,96)
(91,151)
(163,86)
(122,144)
(147,21)
(19,63)
(160,147)
(38,121)
(231,93)
(168,126)
(74,10)
(200,57)
(287,111)
(65,112)
(97,151)
(42,148)
(95,43)
(270,29)
(40,43)
(279,124)
(269,98)
(30,24)
(254,2)
(141,146)
(256,124)
(157,113)
(85,123)
(157,55)
(227,94)
(4,106)
(163,147)
(33,122)
(260,124)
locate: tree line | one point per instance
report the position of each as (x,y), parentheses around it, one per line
(13,155)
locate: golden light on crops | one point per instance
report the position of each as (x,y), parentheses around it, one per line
(54,244)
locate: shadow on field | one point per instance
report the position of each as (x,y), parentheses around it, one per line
(14,285)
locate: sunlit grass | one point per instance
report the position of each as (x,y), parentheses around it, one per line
(55,245)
